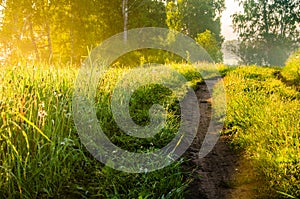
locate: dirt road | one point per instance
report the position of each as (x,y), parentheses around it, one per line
(222,173)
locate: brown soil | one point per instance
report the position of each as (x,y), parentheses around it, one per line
(223,173)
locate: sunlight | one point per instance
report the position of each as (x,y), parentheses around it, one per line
(226,21)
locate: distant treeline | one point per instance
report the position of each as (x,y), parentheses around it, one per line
(64,30)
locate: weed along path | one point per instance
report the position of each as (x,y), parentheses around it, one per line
(221,173)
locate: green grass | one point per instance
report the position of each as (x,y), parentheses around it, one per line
(263,117)
(41,155)
(291,71)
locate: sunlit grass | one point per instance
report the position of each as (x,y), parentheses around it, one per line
(263,117)
(41,155)
(291,71)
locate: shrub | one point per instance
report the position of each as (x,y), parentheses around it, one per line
(292,69)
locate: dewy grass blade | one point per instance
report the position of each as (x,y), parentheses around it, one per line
(27,146)
(12,146)
(34,126)
(28,152)
(285,194)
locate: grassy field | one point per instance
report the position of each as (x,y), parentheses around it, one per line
(41,155)
(263,115)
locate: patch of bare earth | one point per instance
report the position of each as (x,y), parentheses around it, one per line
(223,173)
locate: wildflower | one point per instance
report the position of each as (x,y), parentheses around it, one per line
(68,115)
(67,142)
(42,105)
(42,113)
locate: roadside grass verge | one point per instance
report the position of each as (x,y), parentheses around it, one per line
(41,155)
(263,117)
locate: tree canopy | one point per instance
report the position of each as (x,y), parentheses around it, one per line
(194,17)
(63,30)
(269,30)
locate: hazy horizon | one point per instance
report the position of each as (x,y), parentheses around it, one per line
(226,22)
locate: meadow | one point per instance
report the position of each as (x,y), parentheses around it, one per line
(41,154)
(263,115)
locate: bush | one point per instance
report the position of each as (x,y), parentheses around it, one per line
(292,69)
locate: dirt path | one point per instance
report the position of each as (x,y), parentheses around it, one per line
(222,173)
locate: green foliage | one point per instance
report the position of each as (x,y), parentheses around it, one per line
(199,20)
(208,41)
(35,106)
(146,13)
(58,30)
(263,117)
(292,68)
(174,16)
(146,56)
(199,15)
(61,31)
(268,31)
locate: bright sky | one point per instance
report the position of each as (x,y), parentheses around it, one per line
(227,30)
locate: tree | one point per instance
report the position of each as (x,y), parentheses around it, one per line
(199,15)
(146,13)
(194,17)
(62,30)
(292,68)
(209,42)
(268,30)
(174,19)
(58,29)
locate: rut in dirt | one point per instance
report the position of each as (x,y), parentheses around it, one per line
(212,175)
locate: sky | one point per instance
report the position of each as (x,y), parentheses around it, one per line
(227,30)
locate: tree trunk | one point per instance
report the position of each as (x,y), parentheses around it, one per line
(49,42)
(125,16)
(72,57)
(34,42)
(265,12)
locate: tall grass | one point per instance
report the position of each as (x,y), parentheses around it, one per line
(263,117)
(41,155)
(37,134)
